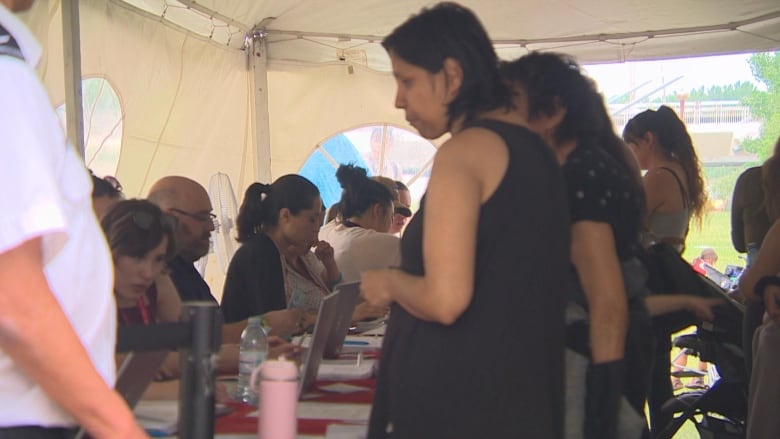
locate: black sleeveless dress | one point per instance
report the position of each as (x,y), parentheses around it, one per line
(497,372)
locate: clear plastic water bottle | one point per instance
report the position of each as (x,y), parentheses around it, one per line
(252,351)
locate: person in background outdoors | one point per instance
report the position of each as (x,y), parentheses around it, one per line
(361,240)
(674,194)
(57,313)
(378,159)
(274,269)
(707,256)
(477,274)
(106,192)
(403,209)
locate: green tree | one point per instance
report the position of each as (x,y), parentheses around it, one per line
(765,105)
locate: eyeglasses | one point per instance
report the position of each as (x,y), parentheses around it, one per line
(206,218)
(145,220)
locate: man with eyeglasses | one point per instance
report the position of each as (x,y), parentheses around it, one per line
(188,201)
(57,310)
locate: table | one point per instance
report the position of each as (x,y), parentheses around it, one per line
(241,422)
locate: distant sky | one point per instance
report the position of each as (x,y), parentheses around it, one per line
(614,79)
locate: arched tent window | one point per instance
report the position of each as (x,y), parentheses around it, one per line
(382,149)
(102,125)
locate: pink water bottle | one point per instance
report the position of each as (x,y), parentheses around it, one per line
(277,417)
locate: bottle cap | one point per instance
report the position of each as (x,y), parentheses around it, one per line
(280,369)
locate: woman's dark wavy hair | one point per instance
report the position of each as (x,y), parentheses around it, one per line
(673,137)
(770,181)
(448,30)
(262,203)
(135,227)
(552,81)
(360,192)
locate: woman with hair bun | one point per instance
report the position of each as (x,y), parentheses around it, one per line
(674,186)
(361,240)
(275,272)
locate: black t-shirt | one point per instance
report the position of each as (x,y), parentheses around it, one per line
(600,189)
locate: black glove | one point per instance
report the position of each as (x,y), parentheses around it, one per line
(604,388)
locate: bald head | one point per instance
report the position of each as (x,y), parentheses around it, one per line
(188,201)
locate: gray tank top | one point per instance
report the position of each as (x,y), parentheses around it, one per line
(671,227)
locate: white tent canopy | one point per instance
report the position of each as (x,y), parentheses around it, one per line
(193,91)
(251,87)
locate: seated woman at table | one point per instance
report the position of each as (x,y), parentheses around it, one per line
(361,240)
(275,268)
(141,240)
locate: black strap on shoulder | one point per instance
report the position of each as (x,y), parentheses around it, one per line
(683,192)
(8,45)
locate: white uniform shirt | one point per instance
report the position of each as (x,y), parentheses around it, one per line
(46,193)
(357,249)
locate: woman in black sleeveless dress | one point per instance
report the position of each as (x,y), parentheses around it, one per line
(474,346)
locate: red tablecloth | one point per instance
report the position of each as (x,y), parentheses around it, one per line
(238,421)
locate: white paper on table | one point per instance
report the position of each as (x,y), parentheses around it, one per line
(324,410)
(343,388)
(160,416)
(346,431)
(349,370)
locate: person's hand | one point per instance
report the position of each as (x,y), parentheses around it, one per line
(366,311)
(375,287)
(277,347)
(323,251)
(702,307)
(771,296)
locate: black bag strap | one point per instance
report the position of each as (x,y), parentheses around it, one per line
(683,192)
(8,45)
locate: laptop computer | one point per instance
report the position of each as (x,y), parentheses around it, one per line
(349,294)
(329,331)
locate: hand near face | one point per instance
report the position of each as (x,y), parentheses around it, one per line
(323,251)
(375,287)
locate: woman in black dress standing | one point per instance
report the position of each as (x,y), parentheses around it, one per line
(474,346)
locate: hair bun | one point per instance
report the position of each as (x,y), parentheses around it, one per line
(350,175)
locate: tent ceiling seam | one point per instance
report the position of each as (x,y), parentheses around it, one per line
(730,26)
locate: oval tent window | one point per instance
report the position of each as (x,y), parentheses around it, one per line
(102,125)
(382,149)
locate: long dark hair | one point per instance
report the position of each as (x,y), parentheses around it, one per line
(262,203)
(673,137)
(448,30)
(552,81)
(135,227)
(360,192)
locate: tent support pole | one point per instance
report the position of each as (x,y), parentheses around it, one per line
(71,49)
(260,96)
